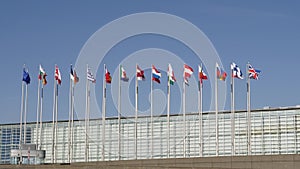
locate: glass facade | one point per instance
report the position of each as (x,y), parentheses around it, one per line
(273,131)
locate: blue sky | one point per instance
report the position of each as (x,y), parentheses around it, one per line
(265,33)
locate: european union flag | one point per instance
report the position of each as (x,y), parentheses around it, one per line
(26,77)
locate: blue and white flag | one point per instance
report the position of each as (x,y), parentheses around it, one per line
(90,76)
(26,77)
(236,71)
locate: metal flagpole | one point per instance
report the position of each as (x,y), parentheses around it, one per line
(201,112)
(200,116)
(184,121)
(37,116)
(168,115)
(216,107)
(41,117)
(25,111)
(248,112)
(232,115)
(53,123)
(69,121)
(88,125)
(136,114)
(56,129)
(72,125)
(119,114)
(151,112)
(21,117)
(103,115)
(86,119)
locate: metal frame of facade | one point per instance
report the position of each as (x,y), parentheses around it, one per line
(273,131)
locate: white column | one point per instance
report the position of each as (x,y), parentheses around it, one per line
(72,126)
(21,115)
(69,122)
(119,116)
(53,124)
(25,111)
(168,120)
(103,116)
(41,118)
(200,108)
(136,116)
(216,109)
(37,116)
(232,116)
(184,121)
(248,113)
(151,113)
(56,128)
(87,119)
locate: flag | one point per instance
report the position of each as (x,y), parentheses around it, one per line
(123,75)
(42,75)
(171,77)
(221,74)
(253,73)
(57,75)
(26,77)
(90,76)
(107,76)
(188,71)
(139,73)
(73,75)
(202,75)
(76,78)
(236,71)
(156,75)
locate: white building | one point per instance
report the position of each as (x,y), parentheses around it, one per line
(273,131)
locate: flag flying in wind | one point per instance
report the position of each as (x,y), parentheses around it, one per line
(139,73)
(73,75)
(90,76)
(253,73)
(221,74)
(156,75)
(107,76)
(171,77)
(26,77)
(236,71)
(57,75)
(123,75)
(202,75)
(188,71)
(42,75)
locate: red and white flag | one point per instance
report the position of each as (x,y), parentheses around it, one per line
(107,76)
(123,75)
(187,73)
(139,73)
(57,75)
(202,75)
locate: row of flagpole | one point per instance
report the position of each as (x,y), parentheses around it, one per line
(156,75)
(41,83)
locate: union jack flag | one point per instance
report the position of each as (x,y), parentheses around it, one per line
(253,73)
